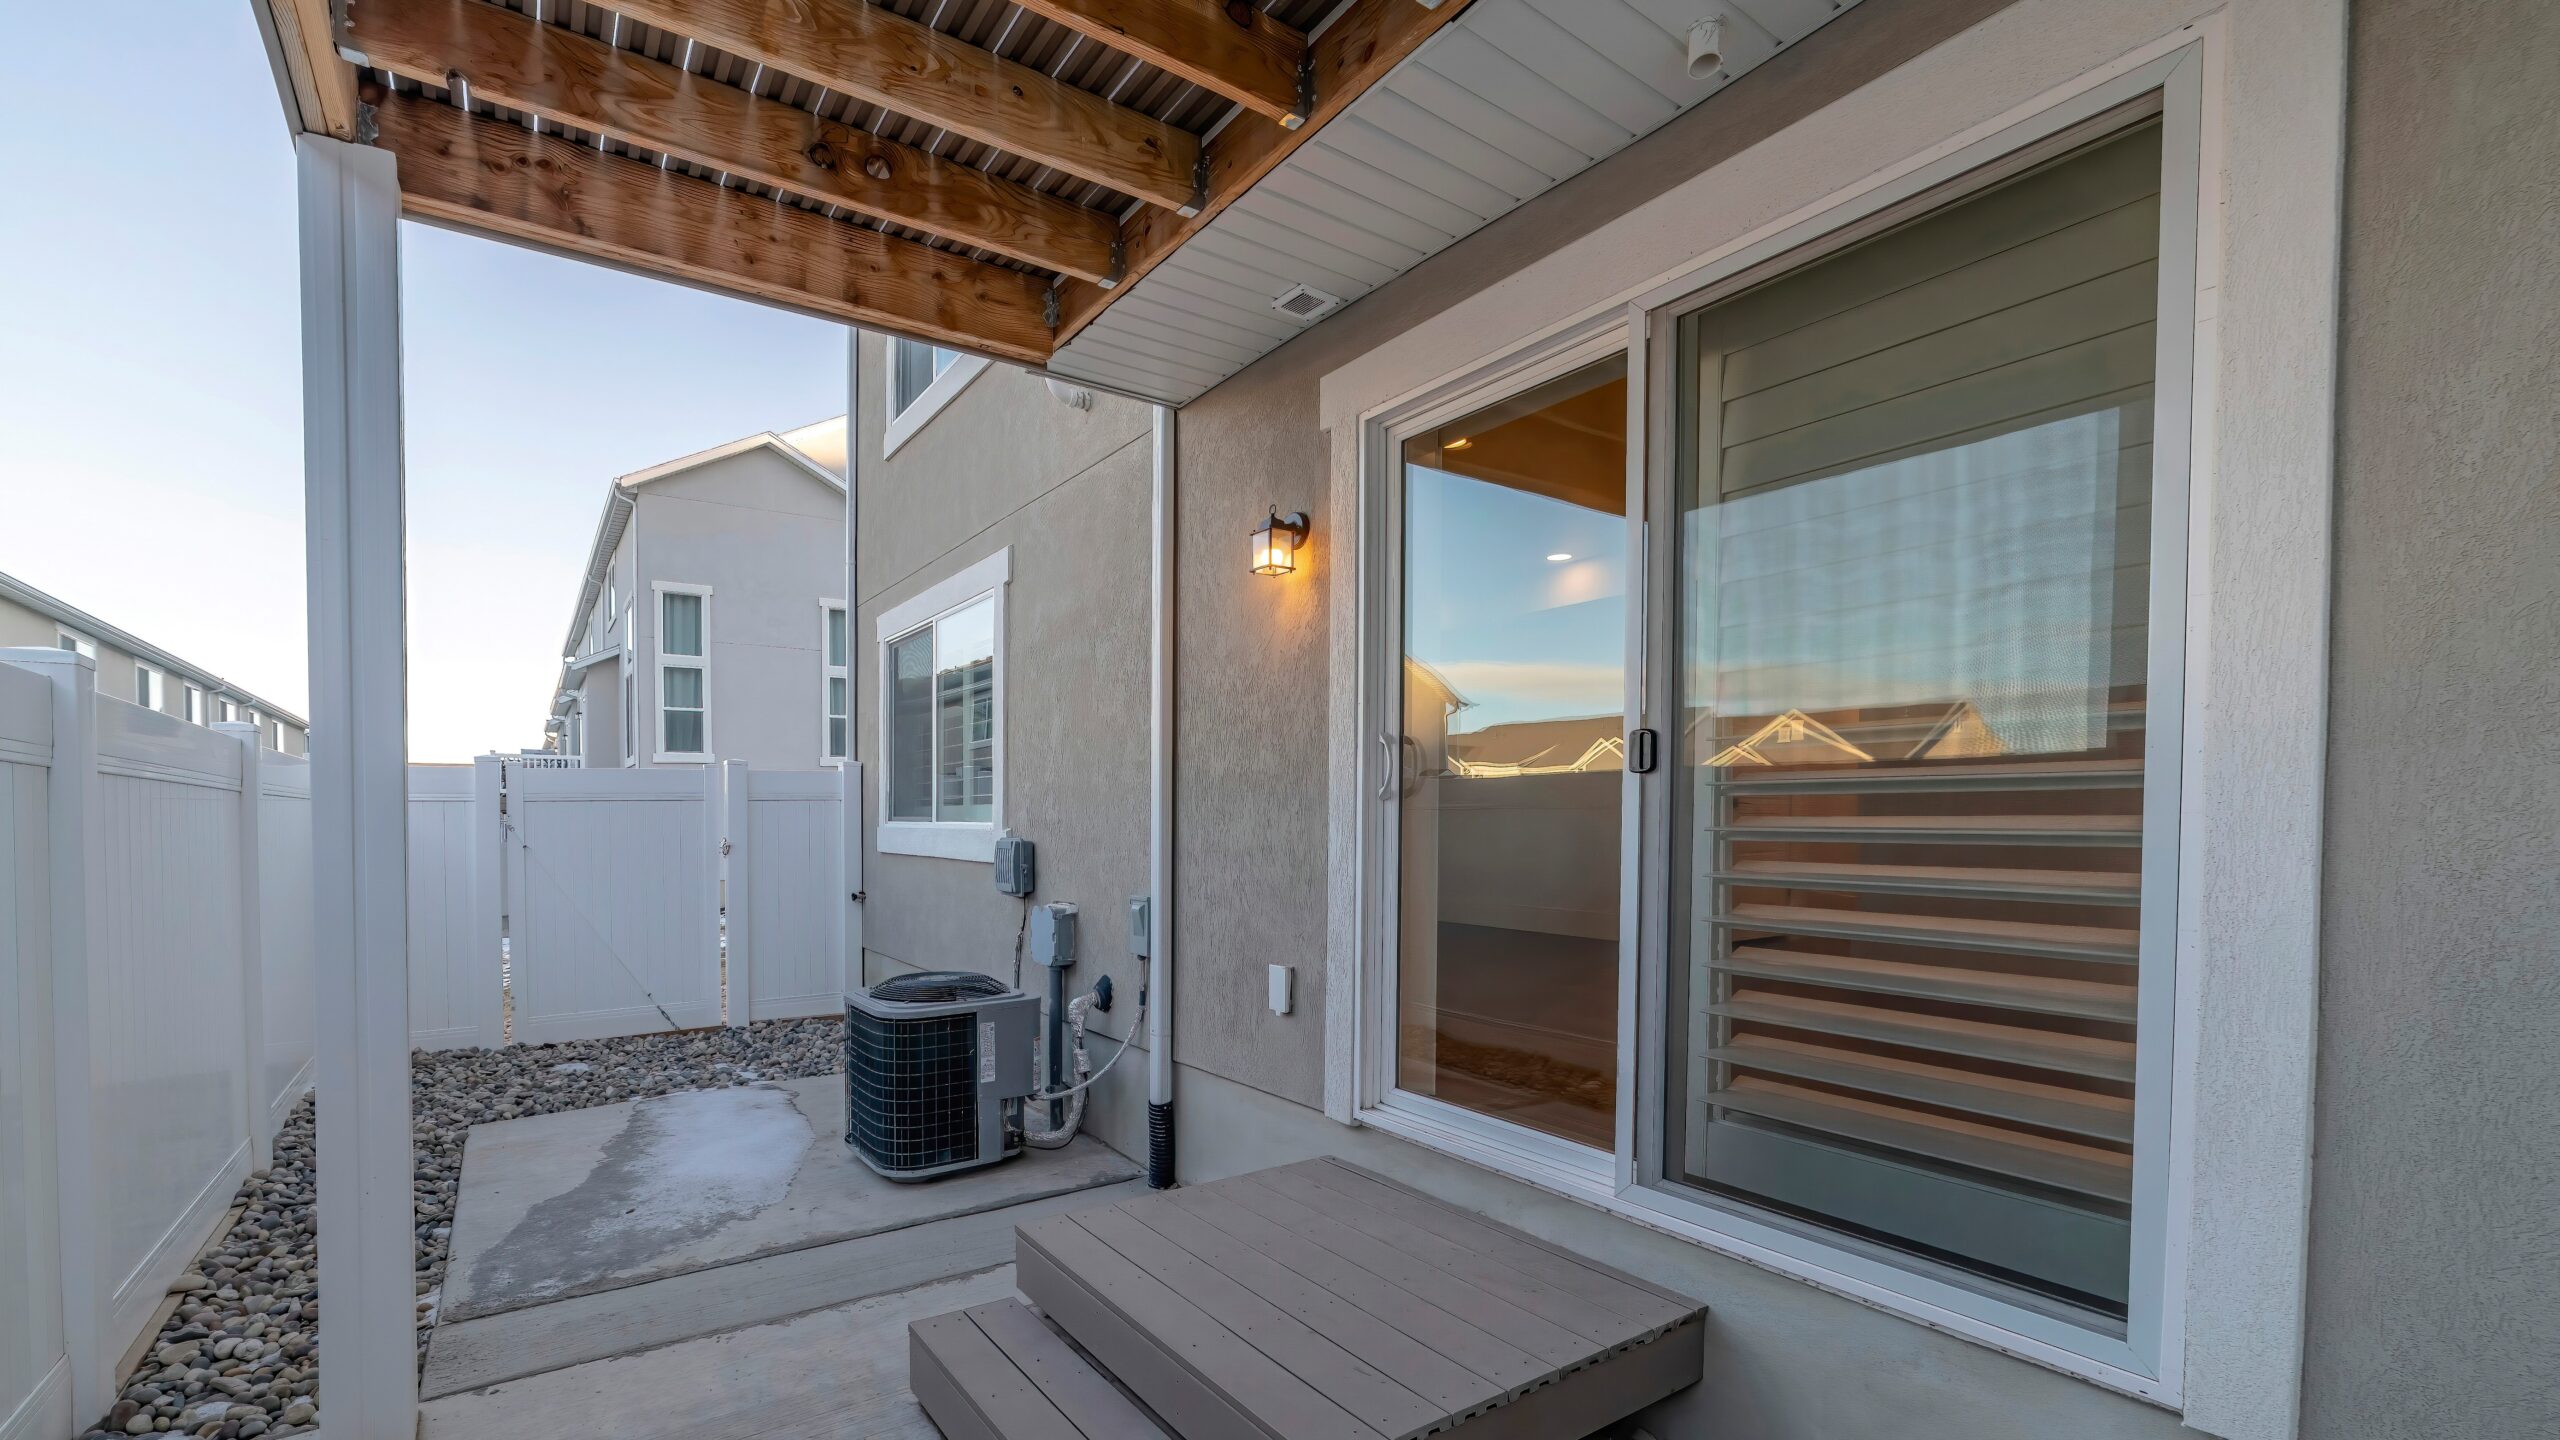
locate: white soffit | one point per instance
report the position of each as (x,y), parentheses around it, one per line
(1513,99)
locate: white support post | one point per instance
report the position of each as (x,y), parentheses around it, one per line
(71,842)
(741,979)
(253,948)
(488,897)
(359,782)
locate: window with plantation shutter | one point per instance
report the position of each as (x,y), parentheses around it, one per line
(1914,584)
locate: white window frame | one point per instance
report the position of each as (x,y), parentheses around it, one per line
(150,677)
(66,638)
(196,710)
(828,671)
(942,839)
(904,422)
(628,676)
(2245,998)
(658,590)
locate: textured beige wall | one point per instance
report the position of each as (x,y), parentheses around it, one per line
(1006,465)
(2435,1222)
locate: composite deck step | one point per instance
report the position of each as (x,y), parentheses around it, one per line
(1000,1372)
(1319,1301)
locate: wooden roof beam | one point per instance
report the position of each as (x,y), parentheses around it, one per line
(1365,41)
(513,60)
(882,57)
(321,82)
(1226,47)
(501,179)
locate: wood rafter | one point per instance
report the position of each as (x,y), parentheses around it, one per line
(1365,41)
(516,61)
(1226,47)
(494,177)
(323,86)
(882,57)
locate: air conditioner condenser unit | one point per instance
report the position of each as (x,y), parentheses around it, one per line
(935,1070)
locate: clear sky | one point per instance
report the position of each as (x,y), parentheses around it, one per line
(150,381)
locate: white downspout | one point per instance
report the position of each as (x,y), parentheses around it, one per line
(1160,675)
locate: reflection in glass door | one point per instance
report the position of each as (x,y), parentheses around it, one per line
(1915,575)
(1513,739)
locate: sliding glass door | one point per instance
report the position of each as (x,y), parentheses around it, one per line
(1509,758)
(1907,804)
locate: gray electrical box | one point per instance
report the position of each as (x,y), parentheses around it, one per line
(1141,927)
(1016,865)
(1053,935)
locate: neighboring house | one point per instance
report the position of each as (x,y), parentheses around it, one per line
(709,623)
(132,668)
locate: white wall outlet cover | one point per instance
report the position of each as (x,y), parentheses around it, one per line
(1281,978)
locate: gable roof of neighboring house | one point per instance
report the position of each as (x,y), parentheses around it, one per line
(818,449)
(73,617)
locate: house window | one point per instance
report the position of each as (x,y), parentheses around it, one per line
(684,672)
(195,704)
(66,638)
(836,681)
(913,368)
(922,380)
(150,687)
(612,602)
(942,715)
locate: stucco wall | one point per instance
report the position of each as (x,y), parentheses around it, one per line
(2435,1236)
(1006,465)
(768,537)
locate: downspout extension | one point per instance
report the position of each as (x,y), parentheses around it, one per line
(1160,668)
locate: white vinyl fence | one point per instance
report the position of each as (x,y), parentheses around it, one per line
(606,896)
(155,1012)
(786,840)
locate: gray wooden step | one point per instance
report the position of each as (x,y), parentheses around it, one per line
(1318,1301)
(1000,1372)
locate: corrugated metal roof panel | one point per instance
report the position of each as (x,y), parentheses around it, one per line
(1511,99)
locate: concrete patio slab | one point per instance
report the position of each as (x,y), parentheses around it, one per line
(833,1374)
(472,1354)
(587,1201)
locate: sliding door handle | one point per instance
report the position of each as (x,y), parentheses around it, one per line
(1642,746)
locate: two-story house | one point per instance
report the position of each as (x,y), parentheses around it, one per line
(132,668)
(710,620)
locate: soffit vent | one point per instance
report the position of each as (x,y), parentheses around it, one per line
(1306,304)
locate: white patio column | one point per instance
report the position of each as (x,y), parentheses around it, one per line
(359,784)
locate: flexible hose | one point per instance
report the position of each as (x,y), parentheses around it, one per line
(1065,1130)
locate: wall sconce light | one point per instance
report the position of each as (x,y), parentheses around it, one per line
(1276,542)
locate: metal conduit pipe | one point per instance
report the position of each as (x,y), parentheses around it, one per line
(1160,670)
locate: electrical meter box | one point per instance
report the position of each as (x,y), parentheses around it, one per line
(1053,935)
(1016,863)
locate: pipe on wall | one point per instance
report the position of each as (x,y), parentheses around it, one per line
(1160,666)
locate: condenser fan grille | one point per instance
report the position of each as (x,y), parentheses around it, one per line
(913,1085)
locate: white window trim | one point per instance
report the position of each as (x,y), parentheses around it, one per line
(2267,121)
(80,643)
(658,674)
(946,387)
(942,839)
(159,685)
(197,709)
(828,671)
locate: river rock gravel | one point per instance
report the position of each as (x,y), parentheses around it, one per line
(239,1357)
